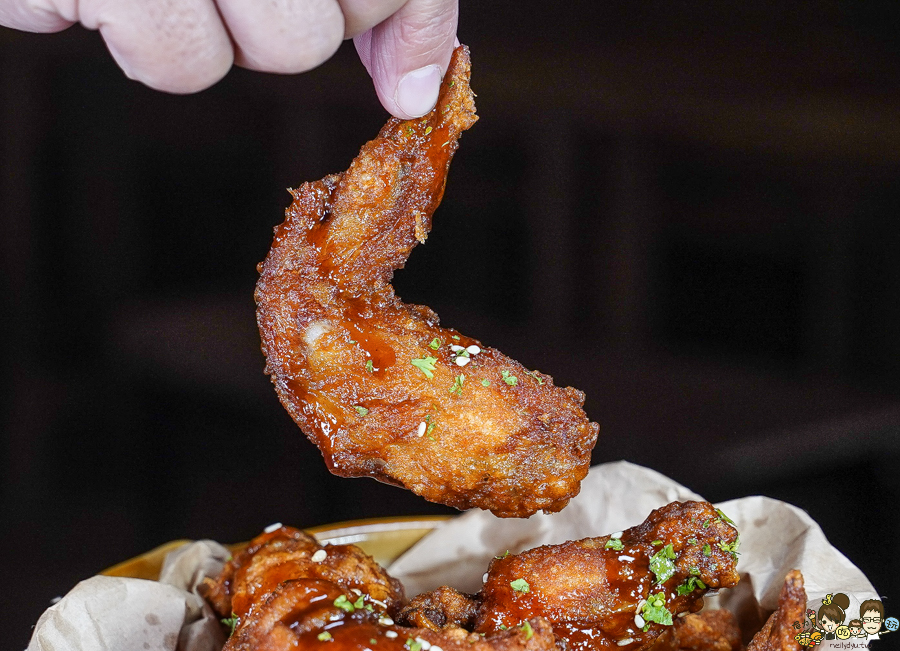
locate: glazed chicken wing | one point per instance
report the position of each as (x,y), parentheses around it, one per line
(376,384)
(285,591)
(710,630)
(778,633)
(620,591)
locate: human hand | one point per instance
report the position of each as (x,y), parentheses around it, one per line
(183,46)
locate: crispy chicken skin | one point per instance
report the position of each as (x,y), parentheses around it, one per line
(287,591)
(778,633)
(445,606)
(287,553)
(710,630)
(591,592)
(467,428)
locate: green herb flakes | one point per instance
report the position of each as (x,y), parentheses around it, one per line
(615,544)
(520,585)
(413,645)
(690,584)
(656,543)
(231,623)
(458,384)
(324,636)
(485,383)
(694,571)
(359,603)
(370,367)
(426,365)
(529,632)
(707,550)
(537,378)
(693,541)
(505,554)
(435,344)
(430,428)
(724,517)
(344,604)
(662,565)
(362,411)
(654,610)
(503,627)
(510,379)
(454,337)
(373,641)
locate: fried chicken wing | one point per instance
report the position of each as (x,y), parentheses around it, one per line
(286,591)
(710,630)
(439,608)
(620,591)
(778,633)
(376,384)
(287,553)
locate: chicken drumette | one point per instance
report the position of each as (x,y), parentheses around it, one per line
(376,384)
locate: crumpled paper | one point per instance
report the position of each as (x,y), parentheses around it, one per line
(106,613)
(102,613)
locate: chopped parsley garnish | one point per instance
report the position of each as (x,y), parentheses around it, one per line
(485,383)
(373,641)
(370,367)
(435,344)
(706,524)
(359,603)
(430,428)
(458,384)
(690,584)
(454,337)
(529,632)
(537,377)
(662,565)
(656,542)
(615,544)
(707,550)
(231,623)
(344,604)
(427,130)
(694,571)
(414,645)
(362,411)
(724,517)
(511,380)
(324,636)
(503,627)
(654,610)
(426,365)
(693,541)
(505,554)
(520,585)
(730,547)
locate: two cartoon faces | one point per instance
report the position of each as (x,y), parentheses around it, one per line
(831,618)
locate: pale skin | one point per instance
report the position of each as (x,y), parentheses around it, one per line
(871,627)
(184,46)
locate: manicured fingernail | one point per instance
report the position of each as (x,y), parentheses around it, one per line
(417,91)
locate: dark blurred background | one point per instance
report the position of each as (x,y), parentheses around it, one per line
(687,210)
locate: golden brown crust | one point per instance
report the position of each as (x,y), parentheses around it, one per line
(778,633)
(592,593)
(440,608)
(710,630)
(495,435)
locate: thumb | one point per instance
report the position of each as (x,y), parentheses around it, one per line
(408,53)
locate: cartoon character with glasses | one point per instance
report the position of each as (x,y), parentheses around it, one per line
(871,612)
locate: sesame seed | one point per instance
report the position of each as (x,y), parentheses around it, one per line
(626,559)
(625,642)
(356,591)
(456,348)
(435,647)
(275,526)
(639,621)
(390,634)
(319,556)
(473,349)
(56,600)
(425,643)
(379,603)
(640,605)
(385,621)
(684,614)
(484,578)
(422,427)
(462,361)
(617,534)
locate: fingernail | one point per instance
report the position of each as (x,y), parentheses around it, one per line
(417,91)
